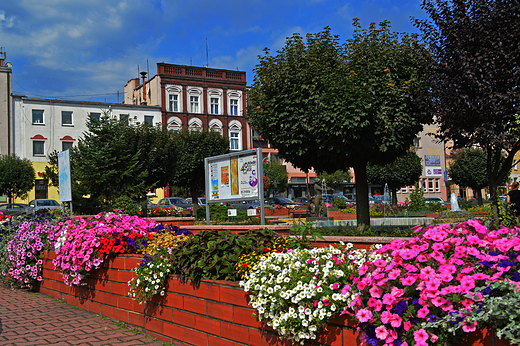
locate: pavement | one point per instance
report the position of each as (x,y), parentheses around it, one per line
(31,318)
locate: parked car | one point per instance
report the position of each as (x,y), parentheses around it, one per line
(330,197)
(174,202)
(435,199)
(39,204)
(201,200)
(244,205)
(282,201)
(13,209)
(302,200)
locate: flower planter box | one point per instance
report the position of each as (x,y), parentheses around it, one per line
(339,215)
(172,220)
(277,212)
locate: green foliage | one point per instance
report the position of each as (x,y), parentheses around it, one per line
(329,106)
(403,171)
(305,232)
(16,176)
(191,147)
(219,213)
(335,180)
(115,159)
(340,203)
(475,43)
(213,255)
(465,204)
(277,173)
(417,200)
(126,205)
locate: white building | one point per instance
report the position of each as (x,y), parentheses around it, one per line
(42,126)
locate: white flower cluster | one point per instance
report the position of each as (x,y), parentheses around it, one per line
(149,280)
(61,239)
(298,291)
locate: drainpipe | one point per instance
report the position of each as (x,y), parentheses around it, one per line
(143,74)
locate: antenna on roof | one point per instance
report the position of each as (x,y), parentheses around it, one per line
(207,53)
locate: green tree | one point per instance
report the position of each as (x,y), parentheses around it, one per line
(404,171)
(469,170)
(16,176)
(329,106)
(191,148)
(475,77)
(335,180)
(114,159)
(278,175)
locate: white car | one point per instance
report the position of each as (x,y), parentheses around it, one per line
(435,199)
(39,204)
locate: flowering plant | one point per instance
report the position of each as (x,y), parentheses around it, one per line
(426,278)
(267,182)
(297,291)
(167,211)
(23,249)
(83,244)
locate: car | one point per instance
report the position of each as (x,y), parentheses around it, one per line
(282,201)
(244,205)
(330,198)
(174,202)
(201,200)
(13,209)
(435,200)
(40,204)
(302,200)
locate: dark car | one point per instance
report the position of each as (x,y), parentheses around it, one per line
(282,201)
(174,202)
(302,200)
(13,209)
(244,205)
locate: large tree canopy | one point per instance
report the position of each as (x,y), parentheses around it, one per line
(475,76)
(329,106)
(403,171)
(16,176)
(469,170)
(277,174)
(191,147)
(336,179)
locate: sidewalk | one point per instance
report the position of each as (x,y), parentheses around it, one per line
(28,318)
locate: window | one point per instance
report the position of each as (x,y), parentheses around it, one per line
(96,116)
(148,119)
(66,145)
(174,103)
(195,124)
(66,118)
(37,116)
(233,107)
(430,185)
(38,148)
(417,142)
(174,124)
(214,105)
(234,140)
(124,117)
(194,104)
(423,185)
(437,185)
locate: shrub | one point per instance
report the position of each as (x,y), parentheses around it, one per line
(126,205)
(339,202)
(219,213)
(417,201)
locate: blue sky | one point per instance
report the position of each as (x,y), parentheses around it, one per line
(88,50)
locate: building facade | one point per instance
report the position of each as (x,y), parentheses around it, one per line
(196,98)
(41,126)
(6,111)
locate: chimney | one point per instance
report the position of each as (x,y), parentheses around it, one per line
(2,56)
(144,88)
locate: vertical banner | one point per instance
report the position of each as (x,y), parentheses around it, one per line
(64,176)
(234,176)
(248,176)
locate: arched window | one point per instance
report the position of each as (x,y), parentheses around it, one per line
(174,98)
(174,124)
(215,125)
(235,135)
(234,103)
(195,124)
(195,96)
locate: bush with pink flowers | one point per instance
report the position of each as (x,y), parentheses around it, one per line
(82,244)
(27,239)
(422,280)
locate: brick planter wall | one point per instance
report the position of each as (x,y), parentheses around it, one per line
(215,313)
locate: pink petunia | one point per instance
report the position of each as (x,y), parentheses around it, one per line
(381,332)
(407,325)
(469,327)
(423,312)
(420,335)
(364,315)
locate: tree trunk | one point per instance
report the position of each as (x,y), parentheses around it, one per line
(362,205)
(393,192)
(479,196)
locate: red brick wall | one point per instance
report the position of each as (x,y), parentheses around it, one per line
(215,313)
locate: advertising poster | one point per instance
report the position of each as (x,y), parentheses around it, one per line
(234,176)
(214,180)
(64,176)
(432,160)
(224,176)
(248,176)
(433,171)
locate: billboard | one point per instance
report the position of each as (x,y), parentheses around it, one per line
(64,176)
(234,177)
